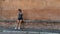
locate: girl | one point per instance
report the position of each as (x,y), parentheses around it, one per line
(20,19)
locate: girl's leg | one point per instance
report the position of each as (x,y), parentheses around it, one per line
(19,24)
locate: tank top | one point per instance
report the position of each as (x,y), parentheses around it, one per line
(20,15)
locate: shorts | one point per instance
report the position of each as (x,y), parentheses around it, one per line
(20,18)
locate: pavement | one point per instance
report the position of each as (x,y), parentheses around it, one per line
(22,32)
(25,32)
(28,30)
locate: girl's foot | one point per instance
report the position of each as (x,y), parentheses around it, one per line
(19,28)
(15,27)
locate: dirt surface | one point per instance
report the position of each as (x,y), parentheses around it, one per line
(32,25)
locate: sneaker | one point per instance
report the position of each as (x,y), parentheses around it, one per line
(19,28)
(15,27)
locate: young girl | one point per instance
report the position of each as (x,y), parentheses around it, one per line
(20,19)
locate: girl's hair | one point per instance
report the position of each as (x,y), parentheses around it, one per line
(20,10)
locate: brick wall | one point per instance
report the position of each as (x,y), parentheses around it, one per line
(32,9)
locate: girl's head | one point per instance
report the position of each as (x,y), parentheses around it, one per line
(19,10)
